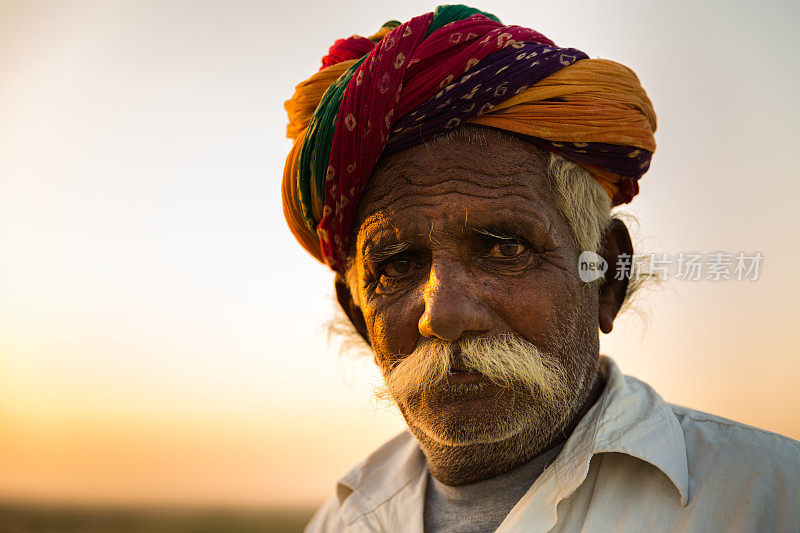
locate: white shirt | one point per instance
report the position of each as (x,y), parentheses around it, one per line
(633,463)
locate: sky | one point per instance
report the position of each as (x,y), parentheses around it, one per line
(162,335)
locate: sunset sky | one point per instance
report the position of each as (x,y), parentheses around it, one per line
(162,334)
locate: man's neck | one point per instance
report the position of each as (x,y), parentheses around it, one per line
(461,465)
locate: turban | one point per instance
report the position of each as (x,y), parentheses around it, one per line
(410,82)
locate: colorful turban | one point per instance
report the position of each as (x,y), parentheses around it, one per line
(410,82)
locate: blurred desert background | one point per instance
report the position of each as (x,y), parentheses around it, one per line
(163,357)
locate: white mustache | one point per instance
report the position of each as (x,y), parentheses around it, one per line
(505,360)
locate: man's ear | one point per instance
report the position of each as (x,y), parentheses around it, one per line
(617,245)
(349,306)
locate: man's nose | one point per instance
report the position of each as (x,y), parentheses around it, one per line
(453,307)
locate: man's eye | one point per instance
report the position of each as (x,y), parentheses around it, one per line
(397,267)
(506,250)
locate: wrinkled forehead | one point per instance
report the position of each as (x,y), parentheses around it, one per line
(473,163)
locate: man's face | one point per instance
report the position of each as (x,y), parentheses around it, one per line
(461,240)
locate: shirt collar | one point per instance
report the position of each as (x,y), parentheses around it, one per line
(386,472)
(629,417)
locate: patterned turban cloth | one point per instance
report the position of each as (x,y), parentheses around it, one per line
(410,82)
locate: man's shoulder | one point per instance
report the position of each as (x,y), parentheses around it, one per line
(705,428)
(719,448)
(712,437)
(731,476)
(327,518)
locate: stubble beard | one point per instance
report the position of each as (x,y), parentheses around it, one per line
(533,409)
(532,395)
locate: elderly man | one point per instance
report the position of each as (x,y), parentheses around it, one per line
(452,170)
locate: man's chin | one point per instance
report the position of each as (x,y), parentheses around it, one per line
(477,413)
